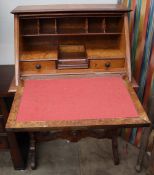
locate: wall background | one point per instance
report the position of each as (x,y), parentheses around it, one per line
(7,24)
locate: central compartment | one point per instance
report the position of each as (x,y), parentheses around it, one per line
(72,56)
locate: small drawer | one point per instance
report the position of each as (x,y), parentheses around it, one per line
(4,142)
(107,64)
(37,66)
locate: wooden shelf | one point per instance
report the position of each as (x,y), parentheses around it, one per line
(70,34)
(53,54)
(39,55)
(104,53)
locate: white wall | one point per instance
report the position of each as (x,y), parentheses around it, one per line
(6,22)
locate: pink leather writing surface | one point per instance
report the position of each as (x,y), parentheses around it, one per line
(75,99)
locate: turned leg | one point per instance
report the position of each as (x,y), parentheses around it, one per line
(15,151)
(115,148)
(144,143)
(32,151)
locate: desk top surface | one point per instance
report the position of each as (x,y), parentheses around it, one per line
(68,102)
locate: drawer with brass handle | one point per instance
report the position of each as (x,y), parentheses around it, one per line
(107,64)
(37,66)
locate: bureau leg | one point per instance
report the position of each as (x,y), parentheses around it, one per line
(32,151)
(115,148)
(144,143)
(15,151)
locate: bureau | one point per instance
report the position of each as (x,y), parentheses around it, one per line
(73,74)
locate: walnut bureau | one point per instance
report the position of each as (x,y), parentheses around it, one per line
(70,44)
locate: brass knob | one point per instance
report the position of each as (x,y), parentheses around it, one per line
(107,65)
(38,66)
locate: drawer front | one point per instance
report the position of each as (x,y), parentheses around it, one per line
(4,142)
(37,66)
(107,64)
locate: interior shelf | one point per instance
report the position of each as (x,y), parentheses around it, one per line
(94,53)
(39,55)
(68,26)
(90,54)
(71,34)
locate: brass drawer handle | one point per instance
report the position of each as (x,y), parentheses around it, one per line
(38,66)
(107,65)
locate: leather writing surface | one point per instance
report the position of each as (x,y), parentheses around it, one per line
(75,99)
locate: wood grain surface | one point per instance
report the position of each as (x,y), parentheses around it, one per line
(70,7)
